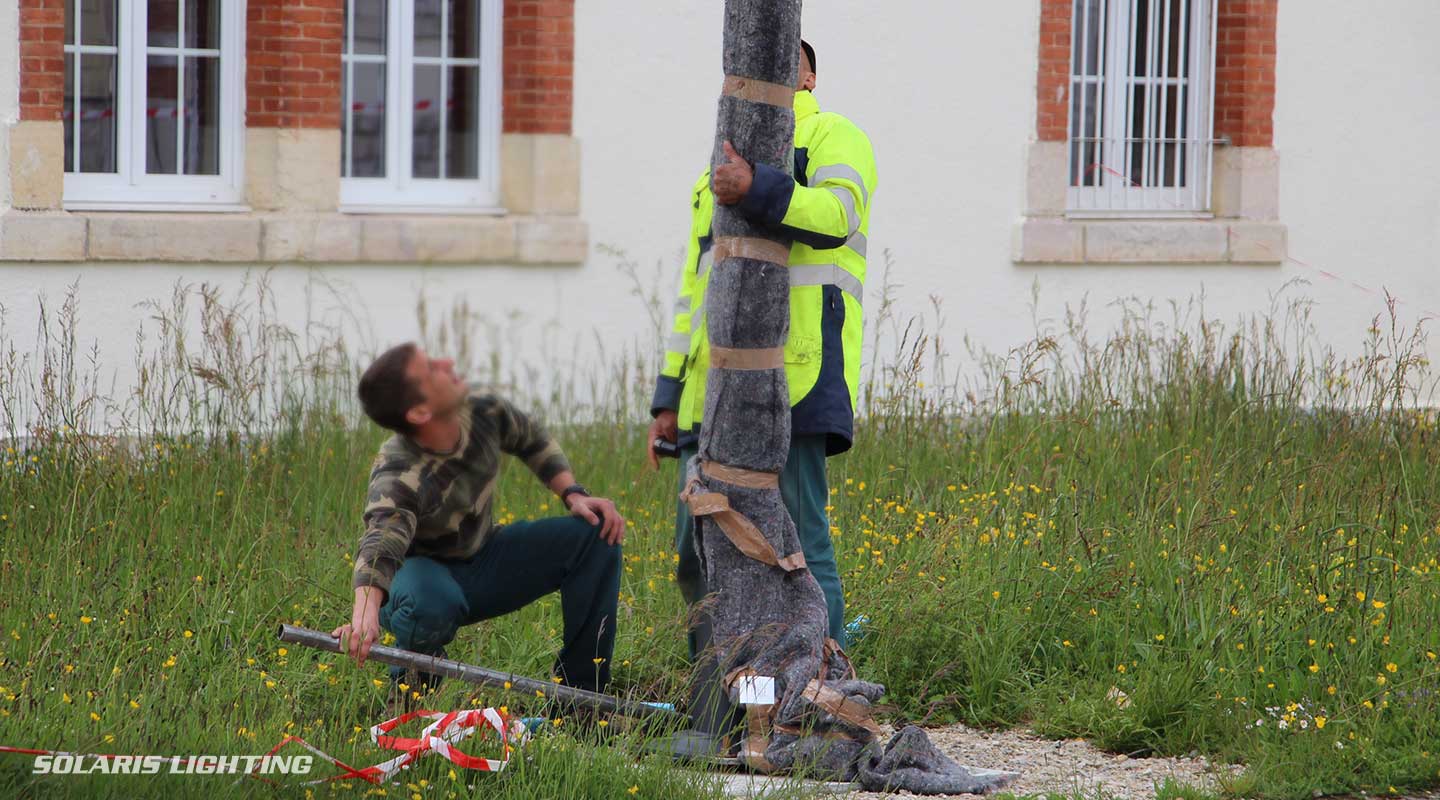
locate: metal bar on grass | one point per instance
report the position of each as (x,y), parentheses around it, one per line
(473,674)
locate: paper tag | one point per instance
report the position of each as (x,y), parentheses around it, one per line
(756,690)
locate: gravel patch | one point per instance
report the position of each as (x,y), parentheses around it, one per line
(1066,765)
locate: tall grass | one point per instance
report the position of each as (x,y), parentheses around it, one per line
(1171,535)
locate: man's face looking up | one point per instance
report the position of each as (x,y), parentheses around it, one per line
(441,389)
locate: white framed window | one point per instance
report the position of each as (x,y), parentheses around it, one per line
(154,110)
(1141,107)
(421,106)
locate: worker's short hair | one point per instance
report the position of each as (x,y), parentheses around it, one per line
(810,54)
(386,391)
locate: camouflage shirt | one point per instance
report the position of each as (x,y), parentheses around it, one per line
(438,505)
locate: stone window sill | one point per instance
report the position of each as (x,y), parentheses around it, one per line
(1242,227)
(1064,240)
(292,237)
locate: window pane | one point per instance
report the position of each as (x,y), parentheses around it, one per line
(368,25)
(1086,57)
(97,112)
(67,112)
(163,21)
(427,27)
(425,126)
(97,22)
(464,39)
(70,14)
(162,90)
(202,24)
(1085,168)
(1179,31)
(202,116)
(1140,23)
(366,140)
(1172,154)
(462,124)
(1135,145)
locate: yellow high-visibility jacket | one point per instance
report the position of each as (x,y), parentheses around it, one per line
(825,208)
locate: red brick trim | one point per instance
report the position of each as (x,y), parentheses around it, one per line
(42,59)
(292,63)
(539,66)
(1244,71)
(1052,115)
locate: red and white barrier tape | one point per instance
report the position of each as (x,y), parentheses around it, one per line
(440,736)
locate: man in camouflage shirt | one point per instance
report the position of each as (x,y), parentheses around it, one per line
(432,559)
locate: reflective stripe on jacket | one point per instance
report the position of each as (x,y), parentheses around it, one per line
(826,210)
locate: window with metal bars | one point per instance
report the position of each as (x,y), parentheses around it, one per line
(152,111)
(1141,99)
(420,123)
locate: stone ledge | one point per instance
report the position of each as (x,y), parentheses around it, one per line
(315,238)
(1058,240)
(41,236)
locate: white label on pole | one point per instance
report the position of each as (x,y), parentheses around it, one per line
(757,690)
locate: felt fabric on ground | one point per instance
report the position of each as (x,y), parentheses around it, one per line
(911,763)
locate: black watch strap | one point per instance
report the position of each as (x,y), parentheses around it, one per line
(573,488)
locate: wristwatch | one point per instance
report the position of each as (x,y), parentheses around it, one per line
(573,488)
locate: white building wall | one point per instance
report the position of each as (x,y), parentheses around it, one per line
(946,93)
(9,89)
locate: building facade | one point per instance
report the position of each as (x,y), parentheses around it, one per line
(1032,156)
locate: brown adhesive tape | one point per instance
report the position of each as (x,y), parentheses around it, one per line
(752,248)
(741,477)
(756,91)
(839,707)
(757,739)
(760,358)
(740,531)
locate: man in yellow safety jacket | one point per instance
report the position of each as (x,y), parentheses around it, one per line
(825,209)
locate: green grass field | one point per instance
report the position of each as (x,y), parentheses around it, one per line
(1180,512)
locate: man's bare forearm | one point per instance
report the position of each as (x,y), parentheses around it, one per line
(562,481)
(369,598)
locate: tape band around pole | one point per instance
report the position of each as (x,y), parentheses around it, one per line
(757,91)
(741,532)
(749,479)
(758,358)
(752,248)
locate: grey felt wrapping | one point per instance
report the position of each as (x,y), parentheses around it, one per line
(763,617)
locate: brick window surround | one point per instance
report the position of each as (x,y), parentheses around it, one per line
(1244,72)
(42,59)
(292,156)
(293,63)
(1245,227)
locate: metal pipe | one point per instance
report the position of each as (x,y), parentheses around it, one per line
(473,674)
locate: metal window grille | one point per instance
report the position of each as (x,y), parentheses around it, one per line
(1141,99)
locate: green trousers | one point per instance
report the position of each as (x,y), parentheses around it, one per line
(806,492)
(431,598)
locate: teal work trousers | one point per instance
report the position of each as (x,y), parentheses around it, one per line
(431,598)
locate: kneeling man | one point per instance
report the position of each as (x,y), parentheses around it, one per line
(432,559)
